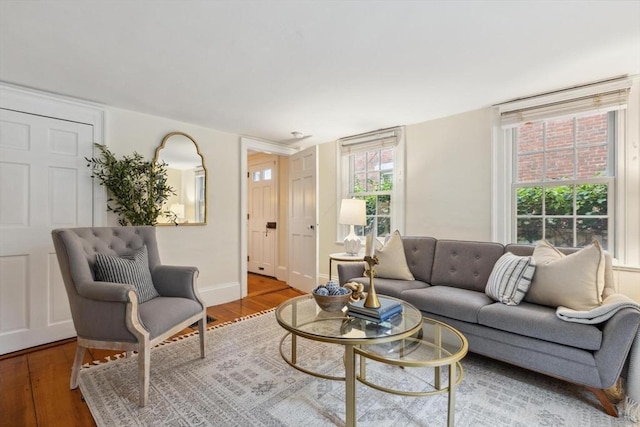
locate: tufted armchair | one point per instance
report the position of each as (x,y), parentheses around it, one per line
(109,315)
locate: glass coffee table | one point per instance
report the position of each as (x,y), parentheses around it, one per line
(406,340)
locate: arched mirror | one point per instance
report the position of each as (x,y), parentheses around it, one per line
(187,176)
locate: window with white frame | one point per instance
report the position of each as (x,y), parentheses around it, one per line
(559,157)
(563,182)
(372,167)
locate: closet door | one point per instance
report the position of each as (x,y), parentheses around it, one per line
(44,184)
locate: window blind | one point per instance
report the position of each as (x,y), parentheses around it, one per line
(369,141)
(602,98)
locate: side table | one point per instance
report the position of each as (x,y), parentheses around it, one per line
(343,257)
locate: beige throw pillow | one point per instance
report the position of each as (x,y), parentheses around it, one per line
(392,262)
(575,281)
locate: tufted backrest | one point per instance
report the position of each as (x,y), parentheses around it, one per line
(464,264)
(77,248)
(419,253)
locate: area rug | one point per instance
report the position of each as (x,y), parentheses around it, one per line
(243,381)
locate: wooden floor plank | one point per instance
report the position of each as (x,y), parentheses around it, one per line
(16,405)
(55,404)
(34,383)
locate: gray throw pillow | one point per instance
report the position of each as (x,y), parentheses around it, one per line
(132,270)
(510,278)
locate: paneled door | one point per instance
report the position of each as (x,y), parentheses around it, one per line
(44,184)
(303,242)
(263,214)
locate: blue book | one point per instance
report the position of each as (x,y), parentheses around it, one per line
(386,317)
(386,306)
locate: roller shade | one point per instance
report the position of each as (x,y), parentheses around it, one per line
(369,141)
(594,98)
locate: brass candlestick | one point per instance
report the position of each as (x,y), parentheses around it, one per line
(372,300)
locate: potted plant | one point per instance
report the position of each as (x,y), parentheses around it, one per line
(137,188)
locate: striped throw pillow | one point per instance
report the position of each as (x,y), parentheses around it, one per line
(510,278)
(133,270)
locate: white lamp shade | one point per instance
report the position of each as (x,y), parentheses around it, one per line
(353,212)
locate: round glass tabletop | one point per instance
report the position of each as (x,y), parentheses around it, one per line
(303,317)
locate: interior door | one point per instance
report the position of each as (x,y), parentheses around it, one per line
(263,214)
(44,184)
(303,242)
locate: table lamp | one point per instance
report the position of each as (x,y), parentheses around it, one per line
(352,212)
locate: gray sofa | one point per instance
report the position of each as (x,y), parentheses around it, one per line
(450,280)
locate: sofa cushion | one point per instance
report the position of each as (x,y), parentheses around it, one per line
(390,287)
(132,270)
(392,263)
(510,278)
(540,322)
(447,301)
(419,253)
(463,264)
(575,281)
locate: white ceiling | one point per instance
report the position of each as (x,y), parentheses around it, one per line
(325,68)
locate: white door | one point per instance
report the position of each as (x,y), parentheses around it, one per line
(263,214)
(303,243)
(44,184)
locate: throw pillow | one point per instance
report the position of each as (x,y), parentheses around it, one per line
(575,281)
(510,278)
(133,270)
(392,262)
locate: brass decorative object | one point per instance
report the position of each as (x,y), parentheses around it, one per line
(372,300)
(356,290)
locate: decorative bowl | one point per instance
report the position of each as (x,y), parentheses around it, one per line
(332,302)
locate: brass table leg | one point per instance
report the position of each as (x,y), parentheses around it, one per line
(350,385)
(452,395)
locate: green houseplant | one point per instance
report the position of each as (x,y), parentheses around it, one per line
(137,188)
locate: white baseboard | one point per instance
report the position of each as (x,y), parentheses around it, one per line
(220,294)
(282,273)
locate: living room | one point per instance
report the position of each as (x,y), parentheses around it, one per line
(450,178)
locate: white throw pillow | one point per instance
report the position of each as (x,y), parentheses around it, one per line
(510,278)
(392,262)
(575,281)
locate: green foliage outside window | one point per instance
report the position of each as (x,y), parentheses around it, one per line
(590,201)
(378,206)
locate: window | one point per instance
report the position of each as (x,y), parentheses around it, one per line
(562,169)
(372,169)
(564,179)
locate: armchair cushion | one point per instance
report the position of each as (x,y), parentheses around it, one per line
(132,270)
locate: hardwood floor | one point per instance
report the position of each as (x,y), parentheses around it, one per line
(34,383)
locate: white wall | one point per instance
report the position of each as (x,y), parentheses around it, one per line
(448,176)
(215,247)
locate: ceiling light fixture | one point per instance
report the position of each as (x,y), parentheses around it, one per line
(297,135)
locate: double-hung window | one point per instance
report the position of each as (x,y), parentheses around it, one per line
(372,167)
(560,161)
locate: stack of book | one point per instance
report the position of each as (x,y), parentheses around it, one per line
(388,308)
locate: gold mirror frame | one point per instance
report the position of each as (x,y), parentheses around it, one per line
(186,207)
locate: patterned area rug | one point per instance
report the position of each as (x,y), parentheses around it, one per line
(243,381)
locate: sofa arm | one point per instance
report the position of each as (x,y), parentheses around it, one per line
(617,336)
(176,281)
(348,271)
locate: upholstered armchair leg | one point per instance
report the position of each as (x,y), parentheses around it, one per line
(202,329)
(144,362)
(77,363)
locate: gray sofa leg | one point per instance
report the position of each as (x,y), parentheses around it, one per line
(608,406)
